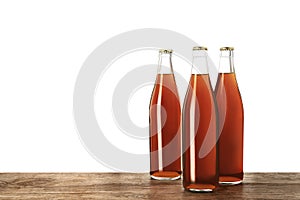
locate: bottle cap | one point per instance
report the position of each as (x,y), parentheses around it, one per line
(226,49)
(165,51)
(199,48)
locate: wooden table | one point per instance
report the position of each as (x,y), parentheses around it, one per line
(138,186)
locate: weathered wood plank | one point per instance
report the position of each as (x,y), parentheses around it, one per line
(139,186)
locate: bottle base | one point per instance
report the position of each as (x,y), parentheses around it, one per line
(229,180)
(200,188)
(165,175)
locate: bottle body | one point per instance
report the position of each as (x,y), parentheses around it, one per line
(231,123)
(200,135)
(165,128)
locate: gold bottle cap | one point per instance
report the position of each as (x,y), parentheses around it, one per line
(165,51)
(199,48)
(226,49)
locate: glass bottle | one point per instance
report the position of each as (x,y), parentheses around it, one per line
(200,129)
(165,123)
(231,121)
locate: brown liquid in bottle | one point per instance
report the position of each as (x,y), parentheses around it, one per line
(231,117)
(199,122)
(165,129)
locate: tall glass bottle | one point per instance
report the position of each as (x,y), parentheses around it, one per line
(165,123)
(231,121)
(200,129)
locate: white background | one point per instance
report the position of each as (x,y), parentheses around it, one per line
(43,45)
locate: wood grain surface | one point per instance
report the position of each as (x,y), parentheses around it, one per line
(139,186)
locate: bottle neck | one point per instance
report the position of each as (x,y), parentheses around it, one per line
(226,62)
(200,64)
(165,63)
